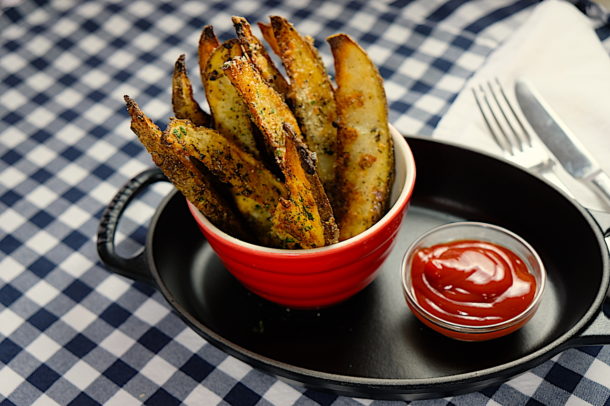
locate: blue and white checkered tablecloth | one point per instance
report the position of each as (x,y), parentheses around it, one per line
(72,332)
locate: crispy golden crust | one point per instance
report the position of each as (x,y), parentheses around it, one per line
(267,108)
(308,164)
(184,104)
(179,169)
(255,50)
(255,189)
(365,160)
(298,221)
(267,32)
(207,44)
(311,94)
(231,116)
(304,217)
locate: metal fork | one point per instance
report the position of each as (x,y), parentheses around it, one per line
(509,132)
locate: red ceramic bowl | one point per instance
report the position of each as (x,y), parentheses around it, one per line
(323,276)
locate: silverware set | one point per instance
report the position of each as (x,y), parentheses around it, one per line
(510,133)
(550,142)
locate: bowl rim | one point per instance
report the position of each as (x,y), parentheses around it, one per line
(464,328)
(401,148)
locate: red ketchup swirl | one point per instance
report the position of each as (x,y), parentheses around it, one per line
(471,282)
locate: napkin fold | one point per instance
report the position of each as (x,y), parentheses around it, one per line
(558,52)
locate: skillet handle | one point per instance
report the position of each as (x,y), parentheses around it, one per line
(598,332)
(135,267)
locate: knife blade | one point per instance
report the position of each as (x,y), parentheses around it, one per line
(558,138)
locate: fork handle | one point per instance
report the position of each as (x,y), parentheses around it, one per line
(601,181)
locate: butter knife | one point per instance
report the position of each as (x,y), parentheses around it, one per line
(560,140)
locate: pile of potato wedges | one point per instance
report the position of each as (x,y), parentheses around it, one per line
(285,157)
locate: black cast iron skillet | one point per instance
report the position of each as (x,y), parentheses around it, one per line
(371,346)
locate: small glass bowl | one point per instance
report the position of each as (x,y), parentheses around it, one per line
(481,232)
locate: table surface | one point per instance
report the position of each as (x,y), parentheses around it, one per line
(71,331)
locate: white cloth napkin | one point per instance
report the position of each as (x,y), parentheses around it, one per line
(558,52)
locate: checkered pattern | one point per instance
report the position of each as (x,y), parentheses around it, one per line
(71,332)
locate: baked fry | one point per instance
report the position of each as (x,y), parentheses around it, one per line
(267,32)
(267,108)
(315,141)
(183,103)
(257,54)
(311,94)
(207,44)
(176,165)
(230,114)
(299,221)
(305,217)
(255,189)
(365,160)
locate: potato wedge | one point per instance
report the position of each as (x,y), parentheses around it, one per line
(258,55)
(230,114)
(267,108)
(299,221)
(311,94)
(208,42)
(255,189)
(267,32)
(183,103)
(365,159)
(176,165)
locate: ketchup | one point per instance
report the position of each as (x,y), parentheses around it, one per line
(471,282)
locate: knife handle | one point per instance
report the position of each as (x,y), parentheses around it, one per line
(602,182)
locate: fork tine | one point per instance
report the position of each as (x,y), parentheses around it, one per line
(482,100)
(489,126)
(507,120)
(524,131)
